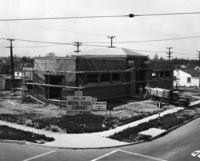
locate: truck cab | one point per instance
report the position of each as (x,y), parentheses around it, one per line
(178,98)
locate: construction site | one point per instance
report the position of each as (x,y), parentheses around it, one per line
(114,78)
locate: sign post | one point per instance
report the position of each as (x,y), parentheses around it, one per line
(160,106)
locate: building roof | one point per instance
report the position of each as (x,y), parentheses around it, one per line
(98,52)
(118,52)
(192,72)
(161,65)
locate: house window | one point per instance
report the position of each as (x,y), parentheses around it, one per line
(92,78)
(105,77)
(188,80)
(115,77)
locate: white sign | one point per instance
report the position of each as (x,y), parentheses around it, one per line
(99,106)
(78,93)
(79,104)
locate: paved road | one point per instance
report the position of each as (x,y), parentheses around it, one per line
(175,146)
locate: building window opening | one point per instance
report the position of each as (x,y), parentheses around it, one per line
(140,75)
(115,77)
(105,77)
(126,76)
(53,92)
(92,78)
(161,74)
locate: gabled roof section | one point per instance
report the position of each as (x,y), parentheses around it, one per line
(192,72)
(108,52)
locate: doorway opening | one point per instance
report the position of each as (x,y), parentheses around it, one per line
(53,92)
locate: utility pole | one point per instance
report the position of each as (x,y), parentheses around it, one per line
(169,53)
(111,41)
(199,57)
(77,44)
(12,69)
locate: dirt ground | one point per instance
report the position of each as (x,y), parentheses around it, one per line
(132,109)
(8,106)
(15,107)
(54,118)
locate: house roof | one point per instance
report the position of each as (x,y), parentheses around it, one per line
(192,72)
(121,52)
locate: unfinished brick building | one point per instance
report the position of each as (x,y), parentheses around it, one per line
(103,73)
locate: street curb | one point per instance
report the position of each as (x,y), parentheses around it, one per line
(175,127)
(13,141)
(73,148)
(86,148)
(22,142)
(106,147)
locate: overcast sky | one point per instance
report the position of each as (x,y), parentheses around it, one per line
(92,30)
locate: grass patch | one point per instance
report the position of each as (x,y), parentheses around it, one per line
(8,133)
(167,122)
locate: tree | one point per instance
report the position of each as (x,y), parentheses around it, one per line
(155,57)
(161,58)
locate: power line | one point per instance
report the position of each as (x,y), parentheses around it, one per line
(45,42)
(61,30)
(166,14)
(92,45)
(64,43)
(119,42)
(38,46)
(150,51)
(58,43)
(62,18)
(50,42)
(160,51)
(151,40)
(101,16)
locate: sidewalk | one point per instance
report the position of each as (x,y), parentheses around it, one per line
(136,123)
(87,140)
(194,103)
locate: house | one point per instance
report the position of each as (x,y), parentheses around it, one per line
(18,74)
(104,73)
(187,77)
